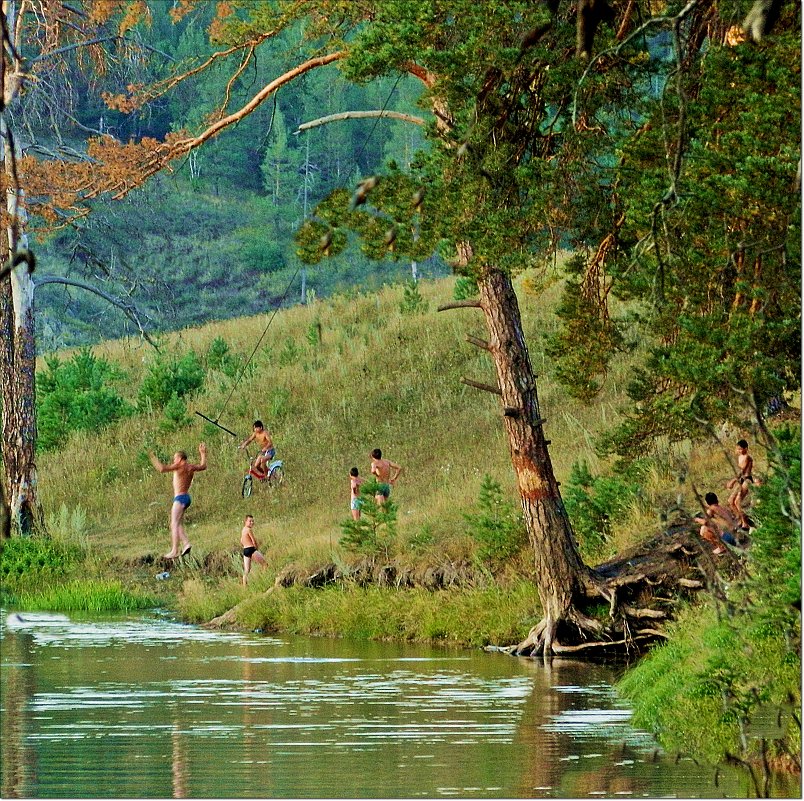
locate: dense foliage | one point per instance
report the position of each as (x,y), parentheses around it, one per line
(728,682)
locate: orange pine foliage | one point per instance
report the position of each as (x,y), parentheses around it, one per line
(56,189)
(136,11)
(181,8)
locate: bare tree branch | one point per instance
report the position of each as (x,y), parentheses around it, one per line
(128,308)
(359,115)
(174,150)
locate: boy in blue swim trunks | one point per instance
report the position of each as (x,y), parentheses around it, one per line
(183,473)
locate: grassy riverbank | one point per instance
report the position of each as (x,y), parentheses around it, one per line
(333,380)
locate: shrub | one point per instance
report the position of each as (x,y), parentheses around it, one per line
(220,357)
(33,559)
(412,300)
(168,377)
(498,527)
(465,288)
(174,416)
(374,532)
(74,396)
(290,353)
(594,503)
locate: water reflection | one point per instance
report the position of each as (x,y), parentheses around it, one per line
(154,709)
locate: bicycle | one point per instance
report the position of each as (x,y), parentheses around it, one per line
(274,476)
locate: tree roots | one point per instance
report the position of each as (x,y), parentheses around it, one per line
(622,605)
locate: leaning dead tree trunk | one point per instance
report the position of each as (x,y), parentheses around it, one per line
(560,571)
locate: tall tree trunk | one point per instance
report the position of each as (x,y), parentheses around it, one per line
(561,574)
(18,354)
(18,359)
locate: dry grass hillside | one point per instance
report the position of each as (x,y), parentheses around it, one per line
(333,380)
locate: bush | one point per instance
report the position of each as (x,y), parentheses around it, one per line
(33,559)
(167,378)
(465,288)
(220,357)
(412,300)
(74,396)
(174,416)
(374,532)
(498,528)
(594,503)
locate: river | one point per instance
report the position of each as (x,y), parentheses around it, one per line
(149,708)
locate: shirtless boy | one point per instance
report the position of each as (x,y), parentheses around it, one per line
(355,501)
(387,472)
(740,485)
(183,473)
(262,436)
(250,547)
(718,524)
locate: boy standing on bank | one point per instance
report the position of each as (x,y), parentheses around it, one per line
(387,472)
(183,474)
(740,485)
(355,501)
(250,547)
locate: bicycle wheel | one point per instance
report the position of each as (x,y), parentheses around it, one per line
(248,482)
(276,477)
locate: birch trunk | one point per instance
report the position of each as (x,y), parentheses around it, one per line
(18,354)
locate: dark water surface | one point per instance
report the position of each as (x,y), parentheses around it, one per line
(148,708)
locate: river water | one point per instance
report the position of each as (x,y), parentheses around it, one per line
(146,707)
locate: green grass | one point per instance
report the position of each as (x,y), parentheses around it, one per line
(702,690)
(82,595)
(378,378)
(465,617)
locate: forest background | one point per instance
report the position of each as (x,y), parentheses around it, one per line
(216,237)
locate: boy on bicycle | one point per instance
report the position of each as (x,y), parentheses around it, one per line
(262,436)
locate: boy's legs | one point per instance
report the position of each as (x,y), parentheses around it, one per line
(246,569)
(175,511)
(709,535)
(177,532)
(736,501)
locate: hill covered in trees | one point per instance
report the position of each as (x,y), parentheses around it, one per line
(215,238)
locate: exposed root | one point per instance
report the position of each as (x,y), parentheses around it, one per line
(641,589)
(528,646)
(228,620)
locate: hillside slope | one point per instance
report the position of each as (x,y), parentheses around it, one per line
(333,380)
